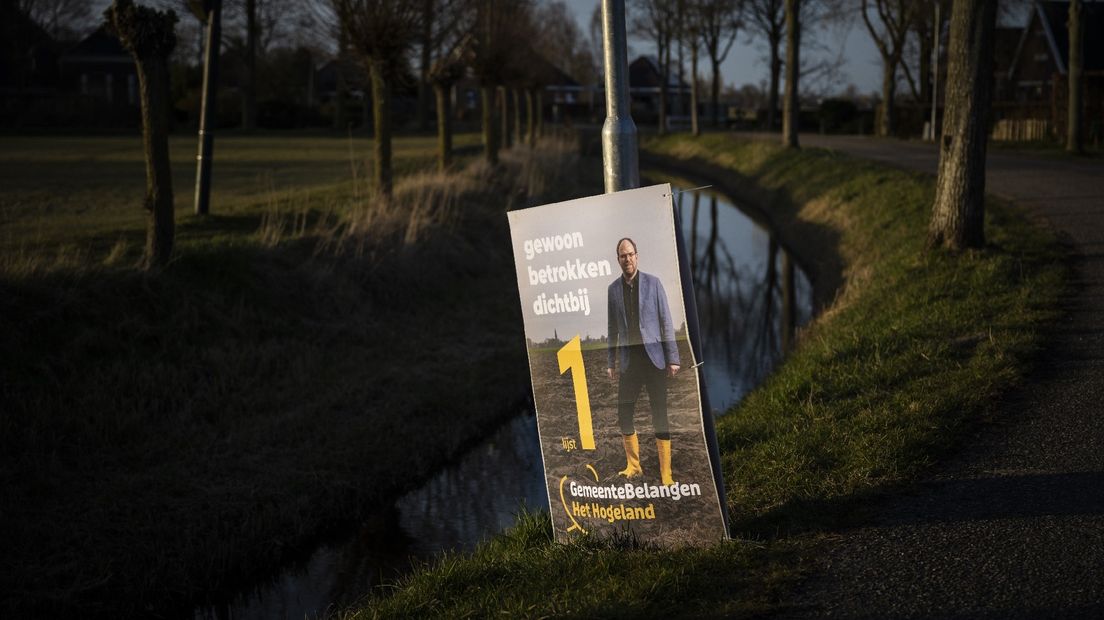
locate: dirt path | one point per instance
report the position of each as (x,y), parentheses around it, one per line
(1013,526)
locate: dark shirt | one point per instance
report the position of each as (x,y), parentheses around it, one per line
(631,293)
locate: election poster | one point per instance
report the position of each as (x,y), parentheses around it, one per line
(615,382)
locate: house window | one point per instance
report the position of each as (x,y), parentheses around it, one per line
(1041,57)
(109,88)
(84,84)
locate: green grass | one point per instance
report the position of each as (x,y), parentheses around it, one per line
(86,192)
(915,350)
(301,362)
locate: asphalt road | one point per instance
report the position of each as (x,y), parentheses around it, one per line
(1013,525)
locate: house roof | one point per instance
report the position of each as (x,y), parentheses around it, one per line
(98,46)
(1053,15)
(644,73)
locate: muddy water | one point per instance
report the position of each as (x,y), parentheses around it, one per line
(751,296)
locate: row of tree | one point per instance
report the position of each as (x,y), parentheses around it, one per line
(709,28)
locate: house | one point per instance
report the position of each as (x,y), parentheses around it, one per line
(644,83)
(1036,77)
(99,69)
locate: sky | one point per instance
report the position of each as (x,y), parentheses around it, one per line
(747,62)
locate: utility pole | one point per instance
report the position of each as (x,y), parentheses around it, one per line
(620,165)
(213,13)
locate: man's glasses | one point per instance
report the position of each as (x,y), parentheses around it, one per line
(626,256)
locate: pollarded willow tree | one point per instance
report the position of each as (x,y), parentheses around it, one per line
(149,36)
(958,214)
(498,33)
(381,33)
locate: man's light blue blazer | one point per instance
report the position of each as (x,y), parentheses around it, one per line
(656,328)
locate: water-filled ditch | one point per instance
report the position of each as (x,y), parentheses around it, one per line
(751,296)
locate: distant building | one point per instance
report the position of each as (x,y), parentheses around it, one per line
(644,82)
(1035,77)
(99,69)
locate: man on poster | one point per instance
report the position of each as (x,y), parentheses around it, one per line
(642,343)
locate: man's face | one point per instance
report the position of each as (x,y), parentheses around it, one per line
(626,257)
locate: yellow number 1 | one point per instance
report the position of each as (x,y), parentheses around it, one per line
(571,358)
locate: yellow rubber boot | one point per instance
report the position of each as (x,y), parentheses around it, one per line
(632,457)
(663,446)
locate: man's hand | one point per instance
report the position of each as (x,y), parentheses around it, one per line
(672,369)
(611,373)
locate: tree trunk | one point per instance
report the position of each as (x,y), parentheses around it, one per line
(153,80)
(490,128)
(540,114)
(530,118)
(1075,73)
(381,126)
(444,126)
(889,93)
(715,94)
(695,129)
(504,111)
(926,44)
(664,66)
(958,214)
(775,74)
(426,59)
(517,115)
(341,122)
(249,84)
(791,107)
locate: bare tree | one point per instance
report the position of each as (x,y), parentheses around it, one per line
(61,19)
(656,20)
(791,105)
(958,213)
(720,21)
(1074,78)
(690,35)
(768,18)
(919,47)
(499,32)
(895,20)
(451,52)
(381,33)
(249,84)
(149,36)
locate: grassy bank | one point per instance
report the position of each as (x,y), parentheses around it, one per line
(912,351)
(307,356)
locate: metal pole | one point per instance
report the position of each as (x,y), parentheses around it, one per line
(207,112)
(935,73)
(619,157)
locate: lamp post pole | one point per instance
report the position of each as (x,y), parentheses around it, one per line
(213,9)
(620,165)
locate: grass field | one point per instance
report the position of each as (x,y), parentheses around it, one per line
(914,352)
(166,436)
(86,192)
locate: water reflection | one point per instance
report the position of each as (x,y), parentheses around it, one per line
(459,507)
(751,295)
(750,298)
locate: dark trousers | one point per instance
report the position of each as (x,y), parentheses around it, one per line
(641,373)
